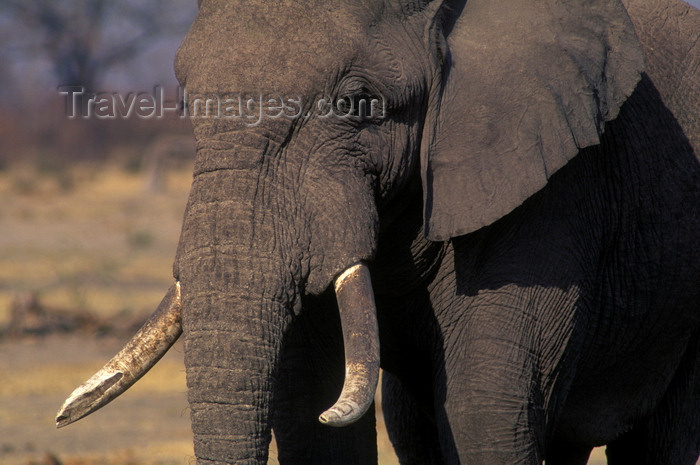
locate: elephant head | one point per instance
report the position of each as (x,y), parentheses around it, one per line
(476,104)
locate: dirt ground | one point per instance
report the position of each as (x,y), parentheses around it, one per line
(147,425)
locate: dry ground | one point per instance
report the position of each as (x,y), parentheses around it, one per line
(91,241)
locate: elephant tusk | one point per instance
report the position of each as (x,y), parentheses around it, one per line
(358,315)
(147,346)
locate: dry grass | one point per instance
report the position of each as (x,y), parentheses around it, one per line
(104,246)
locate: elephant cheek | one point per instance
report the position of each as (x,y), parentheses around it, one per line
(345,230)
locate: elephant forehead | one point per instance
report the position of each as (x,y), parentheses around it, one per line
(270,46)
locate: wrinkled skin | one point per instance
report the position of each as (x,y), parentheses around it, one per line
(529,207)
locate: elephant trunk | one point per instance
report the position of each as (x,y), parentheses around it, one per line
(229,378)
(239,286)
(236,299)
(236,287)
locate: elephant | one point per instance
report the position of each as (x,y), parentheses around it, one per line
(500,210)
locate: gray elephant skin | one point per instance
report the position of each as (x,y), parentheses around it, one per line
(519,180)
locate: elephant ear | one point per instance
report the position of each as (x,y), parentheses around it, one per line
(525,85)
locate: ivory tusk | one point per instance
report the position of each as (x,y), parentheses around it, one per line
(358,317)
(138,356)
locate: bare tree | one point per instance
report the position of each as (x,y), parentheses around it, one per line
(84,39)
(87,43)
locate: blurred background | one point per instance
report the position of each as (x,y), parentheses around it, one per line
(89,202)
(89,220)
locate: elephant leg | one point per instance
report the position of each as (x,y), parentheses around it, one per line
(494,428)
(494,416)
(500,372)
(672,435)
(309,381)
(412,433)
